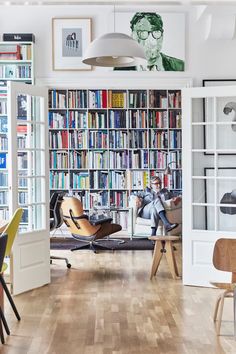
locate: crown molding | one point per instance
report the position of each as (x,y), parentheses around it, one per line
(117,81)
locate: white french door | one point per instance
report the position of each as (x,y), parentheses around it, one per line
(209,179)
(28,185)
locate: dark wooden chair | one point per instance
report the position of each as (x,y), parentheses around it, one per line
(224,259)
(3,244)
(56,220)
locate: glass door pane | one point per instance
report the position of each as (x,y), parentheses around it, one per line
(31,162)
(4,195)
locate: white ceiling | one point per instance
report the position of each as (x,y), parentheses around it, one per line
(123,2)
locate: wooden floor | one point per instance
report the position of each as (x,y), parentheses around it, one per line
(106,304)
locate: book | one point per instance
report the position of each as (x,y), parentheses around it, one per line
(3,160)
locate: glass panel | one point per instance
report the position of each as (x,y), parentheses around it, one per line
(203,218)
(4,196)
(226,218)
(30,135)
(33,218)
(36,114)
(201,162)
(226,109)
(202,110)
(226,137)
(38,187)
(226,186)
(204,191)
(203,137)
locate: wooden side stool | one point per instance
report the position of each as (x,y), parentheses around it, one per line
(164,245)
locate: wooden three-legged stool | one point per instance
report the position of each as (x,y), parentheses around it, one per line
(164,245)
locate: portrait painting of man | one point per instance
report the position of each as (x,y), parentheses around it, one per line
(162,37)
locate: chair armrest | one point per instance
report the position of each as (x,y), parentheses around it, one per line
(170,205)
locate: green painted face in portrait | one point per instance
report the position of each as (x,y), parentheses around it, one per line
(150,36)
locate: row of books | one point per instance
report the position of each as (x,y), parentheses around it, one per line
(98,199)
(97,120)
(78,159)
(21,142)
(175,139)
(115,160)
(77,120)
(138,159)
(3,143)
(98,159)
(23,198)
(117,119)
(98,139)
(3,179)
(138,99)
(158,159)
(121,218)
(78,139)
(3,197)
(58,180)
(15,71)
(97,98)
(175,99)
(138,139)
(99,179)
(22,161)
(117,180)
(171,182)
(4,213)
(138,119)
(158,99)
(80,99)
(158,139)
(77,99)
(175,119)
(118,199)
(80,180)
(137,179)
(57,120)
(59,140)
(16,52)
(118,139)
(3,106)
(57,99)
(158,119)
(58,160)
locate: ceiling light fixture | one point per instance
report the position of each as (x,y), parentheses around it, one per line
(114,50)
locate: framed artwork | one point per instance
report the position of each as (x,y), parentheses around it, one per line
(162,36)
(226,111)
(70,38)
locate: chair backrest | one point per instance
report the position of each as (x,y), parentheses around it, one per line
(55,209)
(11,230)
(72,206)
(224,256)
(3,245)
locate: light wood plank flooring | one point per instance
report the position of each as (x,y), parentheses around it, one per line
(106,304)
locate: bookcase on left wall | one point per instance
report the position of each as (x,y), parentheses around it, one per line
(17,61)
(16,64)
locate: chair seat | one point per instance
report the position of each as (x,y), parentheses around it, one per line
(164,238)
(226,286)
(141,221)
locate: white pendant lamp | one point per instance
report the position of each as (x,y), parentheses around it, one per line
(115,50)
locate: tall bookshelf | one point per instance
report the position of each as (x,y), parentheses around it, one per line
(16,64)
(109,143)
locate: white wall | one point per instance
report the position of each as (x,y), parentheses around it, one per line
(204,58)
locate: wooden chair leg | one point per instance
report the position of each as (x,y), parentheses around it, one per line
(218,325)
(171,260)
(1,333)
(157,255)
(216,308)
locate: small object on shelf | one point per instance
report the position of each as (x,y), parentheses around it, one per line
(18,37)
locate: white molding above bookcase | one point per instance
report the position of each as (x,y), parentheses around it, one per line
(117,80)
